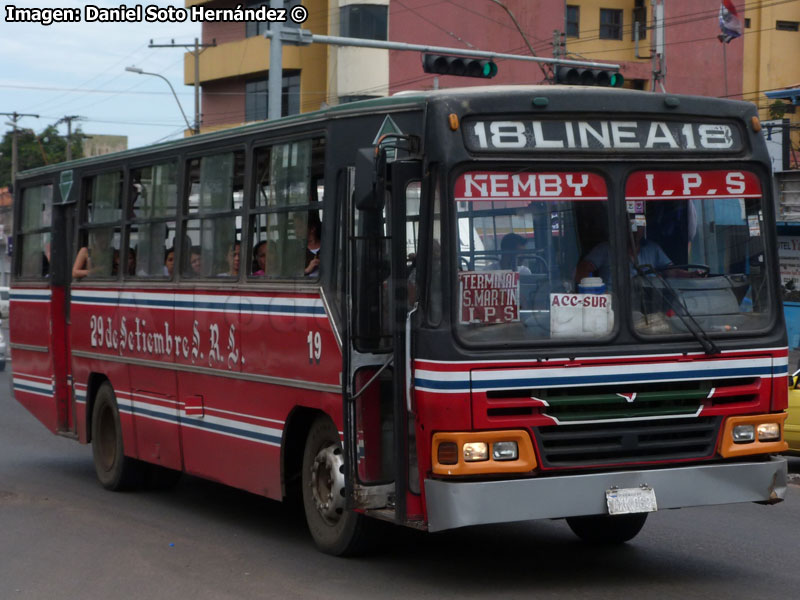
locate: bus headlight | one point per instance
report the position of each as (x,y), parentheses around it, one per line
(476,451)
(768,432)
(483,452)
(744,434)
(752,434)
(505,451)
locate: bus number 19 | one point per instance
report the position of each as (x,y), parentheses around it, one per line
(314,347)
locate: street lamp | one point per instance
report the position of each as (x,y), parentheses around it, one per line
(141,72)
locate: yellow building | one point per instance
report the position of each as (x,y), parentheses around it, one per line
(606,31)
(772,43)
(233,72)
(688,58)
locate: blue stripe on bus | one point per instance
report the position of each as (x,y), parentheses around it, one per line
(290,308)
(29,388)
(138,411)
(464,384)
(261,437)
(228,305)
(24,296)
(94,299)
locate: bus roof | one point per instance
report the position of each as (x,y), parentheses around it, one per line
(401,101)
(361,106)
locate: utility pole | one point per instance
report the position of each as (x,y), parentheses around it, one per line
(559,46)
(197,49)
(68,120)
(275,81)
(15,116)
(658,59)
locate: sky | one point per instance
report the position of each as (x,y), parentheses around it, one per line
(79,69)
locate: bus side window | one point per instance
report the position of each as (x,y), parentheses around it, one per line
(153,210)
(286,221)
(100,232)
(34,235)
(215,195)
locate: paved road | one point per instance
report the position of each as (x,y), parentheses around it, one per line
(62,536)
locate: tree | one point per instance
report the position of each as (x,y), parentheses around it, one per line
(777,110)
(36,150)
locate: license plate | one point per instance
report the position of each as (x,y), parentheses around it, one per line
(631,500)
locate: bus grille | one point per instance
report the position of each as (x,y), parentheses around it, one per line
(649,400)
(614,443)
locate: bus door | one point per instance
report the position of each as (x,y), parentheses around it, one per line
(38,307)
(376,403)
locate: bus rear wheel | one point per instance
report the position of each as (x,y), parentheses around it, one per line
(335,529)
(115,471)
(607,529)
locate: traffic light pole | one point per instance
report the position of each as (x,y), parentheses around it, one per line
(279,35)
(303,37)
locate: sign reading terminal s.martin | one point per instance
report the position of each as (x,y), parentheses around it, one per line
(642,135)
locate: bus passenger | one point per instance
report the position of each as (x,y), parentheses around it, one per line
(169,261)
(312,250)
(196,262)
(510,247)
(95,259)
(260,258)
(232,259)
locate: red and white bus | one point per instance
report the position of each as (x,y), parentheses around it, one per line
(443,309)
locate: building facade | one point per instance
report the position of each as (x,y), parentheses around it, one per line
(95,144)
(234,71)
(681,47)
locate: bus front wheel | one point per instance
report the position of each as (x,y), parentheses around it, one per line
(335,529)
(114,470)
(607,529)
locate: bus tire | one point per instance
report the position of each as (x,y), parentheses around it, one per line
(115,471)
(335,529)
(607,529)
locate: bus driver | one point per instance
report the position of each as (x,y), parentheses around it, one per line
(641,251)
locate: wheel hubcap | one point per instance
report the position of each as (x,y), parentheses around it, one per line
(327,483)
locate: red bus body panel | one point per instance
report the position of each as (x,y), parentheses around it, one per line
(206,379)
(38,335)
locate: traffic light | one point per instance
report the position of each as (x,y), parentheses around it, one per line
(578,76)
(462,66)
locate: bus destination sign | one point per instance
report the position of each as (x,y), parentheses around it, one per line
(642,135)
(489,296)
(529,186)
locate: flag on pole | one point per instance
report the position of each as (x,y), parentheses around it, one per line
(729,21)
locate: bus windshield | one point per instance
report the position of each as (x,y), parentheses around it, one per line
(537,260)
(521,235)
(706,234)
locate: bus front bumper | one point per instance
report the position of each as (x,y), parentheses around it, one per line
(452,504)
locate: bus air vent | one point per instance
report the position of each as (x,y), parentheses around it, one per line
(626,442)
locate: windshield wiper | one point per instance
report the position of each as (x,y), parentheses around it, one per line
(672,298)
